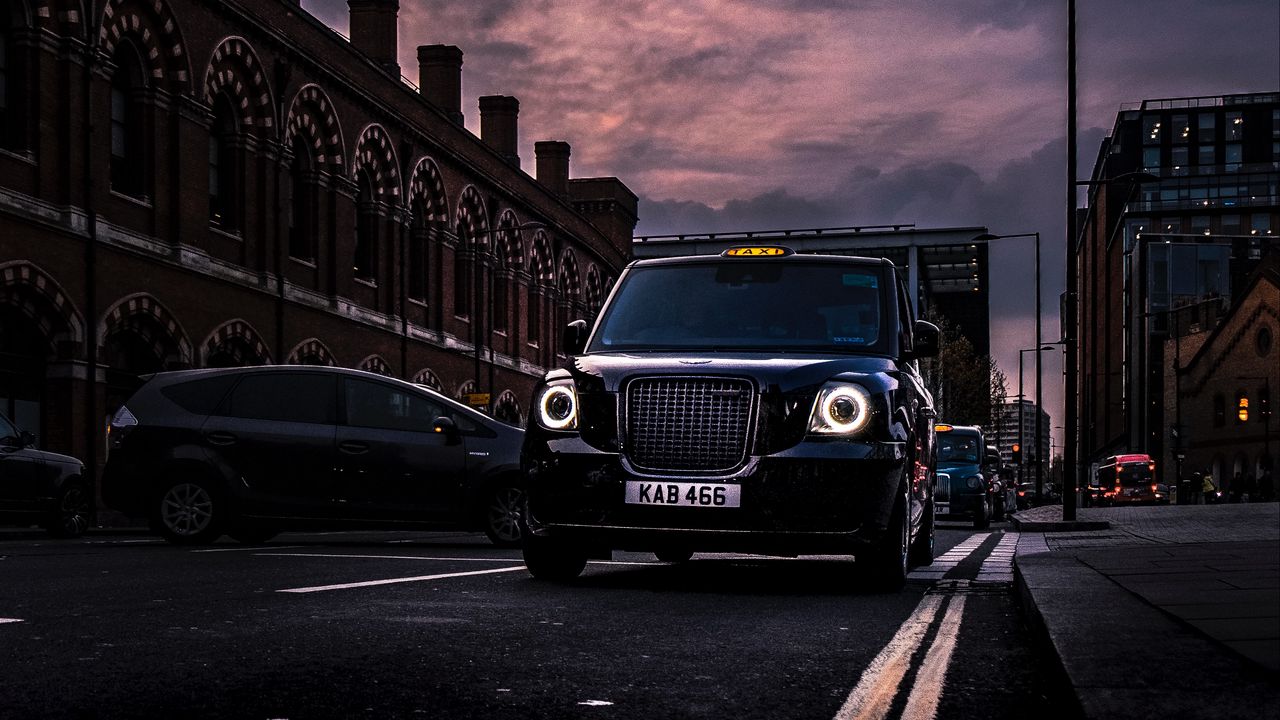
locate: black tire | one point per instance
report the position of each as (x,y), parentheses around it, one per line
(922,548)
(72,511)
(252,534)
(884,564)
(504,516)
(553,561)
(674,555)
(982,520)
(189,511)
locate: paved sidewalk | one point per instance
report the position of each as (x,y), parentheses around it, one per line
(1171,611)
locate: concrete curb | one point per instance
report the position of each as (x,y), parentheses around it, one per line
(1058,525)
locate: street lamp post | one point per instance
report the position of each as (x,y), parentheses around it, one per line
(1039,398)
(1039,478)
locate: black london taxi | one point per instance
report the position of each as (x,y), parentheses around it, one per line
(968,485)
(755,401)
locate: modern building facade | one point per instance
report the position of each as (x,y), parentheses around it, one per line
(191,183)
(1221,384)
(1016,424)
(1184,203)
(946,267)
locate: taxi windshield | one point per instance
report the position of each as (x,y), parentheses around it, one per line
(957,449)
(749,305)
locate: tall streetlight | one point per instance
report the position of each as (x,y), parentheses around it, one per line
(477,295)
(1039,400)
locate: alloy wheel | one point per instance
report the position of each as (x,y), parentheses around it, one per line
(503,515)
(186,509)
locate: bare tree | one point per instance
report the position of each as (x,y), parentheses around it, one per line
(968,389)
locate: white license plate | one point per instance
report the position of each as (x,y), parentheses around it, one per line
(682,494)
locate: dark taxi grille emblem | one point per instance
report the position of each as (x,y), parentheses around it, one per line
(683,424)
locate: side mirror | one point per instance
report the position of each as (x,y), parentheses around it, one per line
(574,338)
(926,340)
(28,438)
(447,427)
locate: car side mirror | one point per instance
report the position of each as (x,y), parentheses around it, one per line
(574,338)
(926,339)
(447,427)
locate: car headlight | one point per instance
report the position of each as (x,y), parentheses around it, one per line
(841,409)
(974,482)
(557,406)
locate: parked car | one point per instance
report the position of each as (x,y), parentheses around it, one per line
(973,488)
(752,401)
(42,488)
(251,451)
(1027,495)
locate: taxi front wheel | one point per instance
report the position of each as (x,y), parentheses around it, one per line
(885,563)
(551,560)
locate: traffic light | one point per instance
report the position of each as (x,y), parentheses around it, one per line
(1017,454)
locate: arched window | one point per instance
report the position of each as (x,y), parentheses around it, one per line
(128,152)
(10,94)
(366,232)
(498,282)
(223,188)
(418,253)
(533,313)
(301,203)
(462,275)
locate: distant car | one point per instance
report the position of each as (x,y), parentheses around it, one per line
(968,482)
(252,451)
(1027,496)
(39,487)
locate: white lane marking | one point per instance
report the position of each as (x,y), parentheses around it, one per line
(949,560)
(392,581)
(384,557)
(596,703)
(878,686)
(922,703)
(998,566)
(247,549)
(9,620)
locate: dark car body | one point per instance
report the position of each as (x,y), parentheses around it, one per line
(41,488)
(281,447)
(702,441)
(968,483)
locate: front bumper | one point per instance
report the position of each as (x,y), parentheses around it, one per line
(959,506)
(816,497)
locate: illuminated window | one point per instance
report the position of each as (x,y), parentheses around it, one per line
(1151,130)
(1178,158)
(1181,129)
(1235,126)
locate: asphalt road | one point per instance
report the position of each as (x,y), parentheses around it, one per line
(127,626)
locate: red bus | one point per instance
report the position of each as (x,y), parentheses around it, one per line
(1128,480)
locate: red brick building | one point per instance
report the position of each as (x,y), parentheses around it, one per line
(191,183)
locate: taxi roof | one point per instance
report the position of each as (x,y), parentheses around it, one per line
(793,258)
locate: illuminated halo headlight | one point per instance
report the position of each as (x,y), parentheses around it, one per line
(841,409)
(557,406)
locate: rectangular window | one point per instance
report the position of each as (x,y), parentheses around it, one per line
(1207,130)
(1178,158)
(1200,224)
(284,397)
(1275,123)
(1151,159)
(1181,129)
(1151,130)
(1231,224)
(1206,156)
(1231,158)
(1235,126)
(1261,224)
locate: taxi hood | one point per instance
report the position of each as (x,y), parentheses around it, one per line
(772,372)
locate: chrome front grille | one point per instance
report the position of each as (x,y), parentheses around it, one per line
(698,424)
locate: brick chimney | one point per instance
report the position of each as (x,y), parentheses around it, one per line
(440,78)
(374,31)
(552,158)
(498,129)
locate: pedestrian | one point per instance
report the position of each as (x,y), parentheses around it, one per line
(1208,489)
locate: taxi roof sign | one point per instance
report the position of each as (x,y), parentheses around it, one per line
(942,428)
(758,251)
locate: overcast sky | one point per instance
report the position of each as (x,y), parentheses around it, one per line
(765,114)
